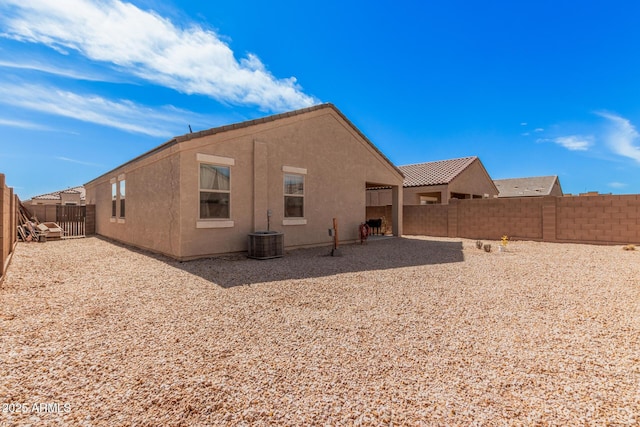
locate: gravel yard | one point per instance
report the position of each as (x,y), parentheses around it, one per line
(411,331)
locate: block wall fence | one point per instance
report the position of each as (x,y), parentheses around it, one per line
(8,224)
(602,219)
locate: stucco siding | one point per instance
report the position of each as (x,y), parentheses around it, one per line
(151,208)
(163,189)
(473,180)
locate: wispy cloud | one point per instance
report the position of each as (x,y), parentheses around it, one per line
(23,124)
(120,114)
(79,162)
(574,142)
(622,137)
(617,184)
(34,66)
(188,59)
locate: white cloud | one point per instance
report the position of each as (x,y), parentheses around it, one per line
(622,137)
(617,184)
(80,162)
(190,60)
(49,69)
(121,114)
(574,142)
(538,130)
(23,124)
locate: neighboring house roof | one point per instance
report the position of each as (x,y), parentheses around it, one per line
(434,173)
(56,194)
(213,131)
(526,187)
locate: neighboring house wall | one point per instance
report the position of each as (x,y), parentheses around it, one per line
(472,182)
(70,199)
(610,219)
(8,225)
(163,197)
(556,190)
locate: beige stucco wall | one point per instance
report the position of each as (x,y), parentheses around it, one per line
(338,162)
(556,190)
(152,203)
(474,180)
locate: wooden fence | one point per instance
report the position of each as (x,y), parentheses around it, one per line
(72,220)
(76,221)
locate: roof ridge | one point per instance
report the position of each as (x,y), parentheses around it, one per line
(439,161)
(435,173)
(233,126)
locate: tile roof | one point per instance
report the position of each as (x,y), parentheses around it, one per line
(523,187)
(434,173)
(56,194)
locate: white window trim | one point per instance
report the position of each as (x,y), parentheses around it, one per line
(214,223)
(292,169)
(215,161)
(296,171)
(120,198)
(294,221)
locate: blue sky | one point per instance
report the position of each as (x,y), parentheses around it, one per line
(532,88)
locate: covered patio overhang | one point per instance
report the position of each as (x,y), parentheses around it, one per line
(396,205)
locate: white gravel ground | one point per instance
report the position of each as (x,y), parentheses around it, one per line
(411,331)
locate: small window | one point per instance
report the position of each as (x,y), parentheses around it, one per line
(122,193)
(293,196)
(215,191)
(114,196)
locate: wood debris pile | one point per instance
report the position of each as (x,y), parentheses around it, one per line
(32,230)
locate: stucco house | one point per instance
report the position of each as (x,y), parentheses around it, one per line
(70,197)
(202,193)
(438,182)
(536,186)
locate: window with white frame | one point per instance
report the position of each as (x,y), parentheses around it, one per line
(114,196)
(293,196)
(122,185)
(215,191)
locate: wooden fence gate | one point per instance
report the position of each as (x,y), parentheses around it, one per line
(72,219)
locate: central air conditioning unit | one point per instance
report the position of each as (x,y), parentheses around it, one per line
(266,244)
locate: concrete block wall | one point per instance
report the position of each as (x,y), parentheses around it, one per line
(494,218)
(599,219)
(609,219)
(8,224)
(430,220)
(44,213)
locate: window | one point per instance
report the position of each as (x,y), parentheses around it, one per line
(114,196)
(293,196)
(215,191)
(122,191)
